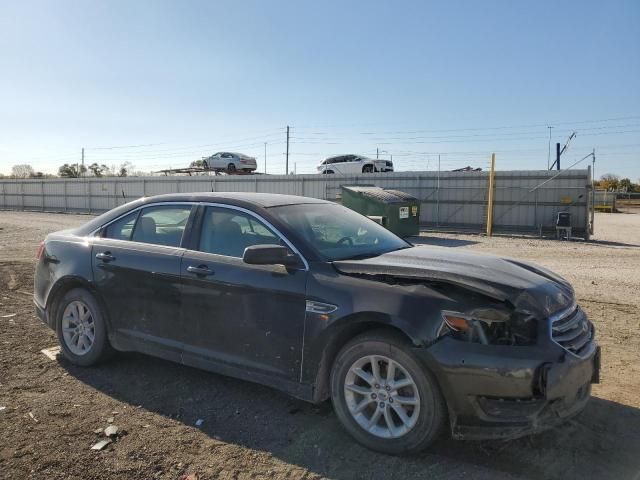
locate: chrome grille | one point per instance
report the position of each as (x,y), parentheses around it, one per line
(574,332)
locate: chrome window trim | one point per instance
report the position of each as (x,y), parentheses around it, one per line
(208,204)
(265,222)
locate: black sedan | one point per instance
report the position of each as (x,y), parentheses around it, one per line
(312,298)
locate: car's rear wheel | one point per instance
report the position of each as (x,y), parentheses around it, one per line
(384,397)
(231,168)
(367,169)
(81,328)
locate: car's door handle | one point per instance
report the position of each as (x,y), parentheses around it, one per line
(200,270)
(105,257)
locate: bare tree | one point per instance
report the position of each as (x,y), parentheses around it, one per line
(609,181)
(98,170)
(125,169)
(22,171)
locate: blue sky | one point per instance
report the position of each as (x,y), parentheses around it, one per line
(180,80)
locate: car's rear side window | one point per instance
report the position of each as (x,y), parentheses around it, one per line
(122,228)
(161,225)
(228,232)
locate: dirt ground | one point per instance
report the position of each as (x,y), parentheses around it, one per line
(52,408)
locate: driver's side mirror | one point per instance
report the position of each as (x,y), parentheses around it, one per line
(269,255)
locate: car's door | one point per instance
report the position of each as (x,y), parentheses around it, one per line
(214,161)
(240,319)
(338,165)
(136,270)
(350,164)
(226,159)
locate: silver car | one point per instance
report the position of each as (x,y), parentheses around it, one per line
(230,162)
(354,164)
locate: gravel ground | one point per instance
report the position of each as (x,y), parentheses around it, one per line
(53,408)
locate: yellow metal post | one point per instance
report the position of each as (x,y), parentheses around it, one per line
(490,199)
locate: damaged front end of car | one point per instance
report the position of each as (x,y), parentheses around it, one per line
(511,359)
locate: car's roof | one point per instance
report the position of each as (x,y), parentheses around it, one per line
(234,153)
(347,155)
(264,200)
(249,200)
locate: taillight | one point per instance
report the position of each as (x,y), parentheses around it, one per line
(40,250)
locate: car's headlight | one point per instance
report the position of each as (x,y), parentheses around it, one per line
(490,326)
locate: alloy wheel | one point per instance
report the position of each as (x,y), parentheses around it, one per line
(381,396)
(78,327)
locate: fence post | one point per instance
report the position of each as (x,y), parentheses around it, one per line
(88,193)
(144,187)
(490,201)
(42,194)
(22,194)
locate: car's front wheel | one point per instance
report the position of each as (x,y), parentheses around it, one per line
(367,169)
(231,168)
(384,397)
(81,328)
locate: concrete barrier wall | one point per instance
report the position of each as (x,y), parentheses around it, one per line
(526,201)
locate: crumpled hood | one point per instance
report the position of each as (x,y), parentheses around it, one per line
(530,288)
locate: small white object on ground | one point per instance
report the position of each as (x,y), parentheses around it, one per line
(111,431)
(199,422)
(101,444)
(51,353)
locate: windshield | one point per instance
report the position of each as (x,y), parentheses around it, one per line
(338,233)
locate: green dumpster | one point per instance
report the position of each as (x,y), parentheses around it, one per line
(397,211)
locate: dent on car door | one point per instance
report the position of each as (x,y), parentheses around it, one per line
(136,269)
(239,317)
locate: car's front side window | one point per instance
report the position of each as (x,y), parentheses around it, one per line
(228,232)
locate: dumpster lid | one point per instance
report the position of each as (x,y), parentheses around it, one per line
(380,194)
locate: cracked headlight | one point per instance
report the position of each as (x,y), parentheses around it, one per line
(489,326)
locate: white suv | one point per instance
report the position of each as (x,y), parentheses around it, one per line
(354,164)
(230,162)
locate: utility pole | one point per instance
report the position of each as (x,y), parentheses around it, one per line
(377,153)
(557,162)
(82,171)
(593,189)
(438,197)
(549,153)
(265,158)
(287,157)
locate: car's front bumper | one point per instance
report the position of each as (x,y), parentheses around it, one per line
(508,392)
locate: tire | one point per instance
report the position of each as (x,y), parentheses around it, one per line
(327,172)
(81,352)
(231,168)
(367,169)
(424,420)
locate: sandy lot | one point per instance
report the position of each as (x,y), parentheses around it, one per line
(52,408)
